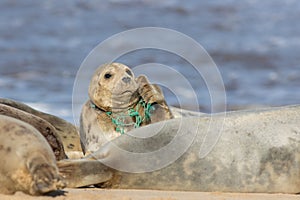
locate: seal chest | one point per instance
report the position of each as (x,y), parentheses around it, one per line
(30,164)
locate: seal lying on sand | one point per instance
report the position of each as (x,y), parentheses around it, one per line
(119,103)
(258,151)
(62,136)
(44,127)
(28,163)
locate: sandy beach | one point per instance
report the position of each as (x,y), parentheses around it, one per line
(112,194)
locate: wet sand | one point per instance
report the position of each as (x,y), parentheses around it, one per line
(112,194)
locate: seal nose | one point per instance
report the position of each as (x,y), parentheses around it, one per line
(126,79)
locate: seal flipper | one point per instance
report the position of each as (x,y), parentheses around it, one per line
(152,94)
(46,180)
(84,172)
(44,175)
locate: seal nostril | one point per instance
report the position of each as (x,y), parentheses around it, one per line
(126,79)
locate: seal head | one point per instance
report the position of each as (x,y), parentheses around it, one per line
(113,87)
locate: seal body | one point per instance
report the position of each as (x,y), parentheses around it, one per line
(28,163)
(257,151)
(119,102)
(62,136)
(44,127)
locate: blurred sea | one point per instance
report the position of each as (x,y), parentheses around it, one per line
(255,44)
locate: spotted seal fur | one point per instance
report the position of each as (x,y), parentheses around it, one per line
(28,163)
(64,134)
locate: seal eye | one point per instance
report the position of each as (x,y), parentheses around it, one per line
(128,72)
(107,75)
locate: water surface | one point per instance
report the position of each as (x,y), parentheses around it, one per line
(255,45)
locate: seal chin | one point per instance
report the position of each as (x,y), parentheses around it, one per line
(123,94)
(121,106)
(127,92)
(126,95)
(125,100)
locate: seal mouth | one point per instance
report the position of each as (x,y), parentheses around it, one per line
(126,92)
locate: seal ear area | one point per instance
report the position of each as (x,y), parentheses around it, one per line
(99,93)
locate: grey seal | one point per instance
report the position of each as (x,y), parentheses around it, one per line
(62,136)
(119,102)
(28,163)
(257,151)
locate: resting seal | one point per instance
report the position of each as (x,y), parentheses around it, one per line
(62,136)
(117,104)
(28,163)
(258,151)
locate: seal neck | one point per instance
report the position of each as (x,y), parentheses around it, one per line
(115,110)
(95,107)
(119,118)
